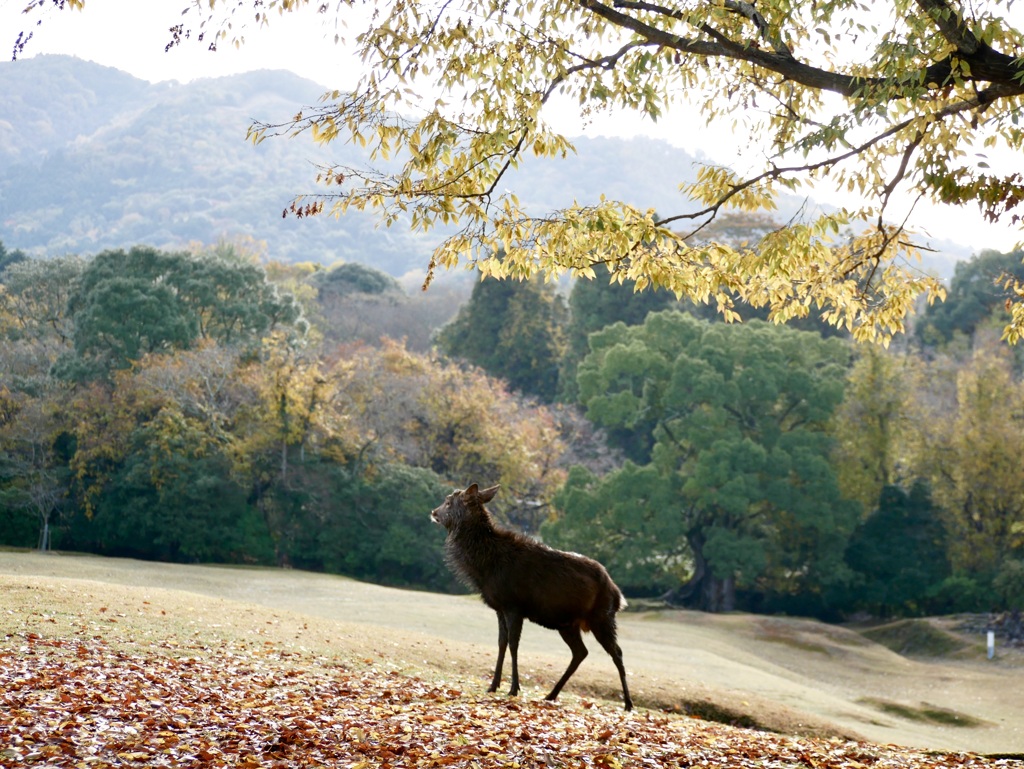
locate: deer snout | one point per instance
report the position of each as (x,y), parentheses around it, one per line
(442,516)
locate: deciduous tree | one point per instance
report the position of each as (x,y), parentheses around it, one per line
(973,450)
(293,417)
(36,325)
(876,425)
(461,424)
(34,479)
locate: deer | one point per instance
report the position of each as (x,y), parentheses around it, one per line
(523,579)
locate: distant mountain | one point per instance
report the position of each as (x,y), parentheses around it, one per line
(93,158)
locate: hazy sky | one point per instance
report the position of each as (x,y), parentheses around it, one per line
(131,35)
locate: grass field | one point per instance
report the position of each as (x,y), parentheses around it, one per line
(785,675)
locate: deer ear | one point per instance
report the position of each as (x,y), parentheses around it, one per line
(471,491)
(488,494)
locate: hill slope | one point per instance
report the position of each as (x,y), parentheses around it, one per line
(781,674)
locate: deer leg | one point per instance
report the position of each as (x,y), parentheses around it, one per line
(514,621)
(502,643)
(606,636)
(572,636)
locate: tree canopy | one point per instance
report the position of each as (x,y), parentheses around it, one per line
(7,258)
(513,330)
(897,103)
(751,447)
(594,304)
(898,552)
(128,304)
(977,293)
(731,423)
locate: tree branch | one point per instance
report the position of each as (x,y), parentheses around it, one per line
(776,172)
(951,25)
(986,64)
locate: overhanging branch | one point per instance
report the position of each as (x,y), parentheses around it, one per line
(984,63)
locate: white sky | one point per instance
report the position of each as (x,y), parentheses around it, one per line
(130,35)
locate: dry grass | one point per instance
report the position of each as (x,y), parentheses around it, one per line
(920,638)
(786,675)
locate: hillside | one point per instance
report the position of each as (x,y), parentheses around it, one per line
(94,158)
(782,675)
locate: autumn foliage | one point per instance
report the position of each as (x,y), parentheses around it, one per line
(68,702)
(277,441)
(250,440)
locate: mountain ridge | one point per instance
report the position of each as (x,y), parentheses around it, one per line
(96,158)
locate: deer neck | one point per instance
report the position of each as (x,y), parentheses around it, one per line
(471,547)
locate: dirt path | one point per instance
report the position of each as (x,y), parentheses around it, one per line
(784,674)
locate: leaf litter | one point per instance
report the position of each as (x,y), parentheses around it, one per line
(85,703)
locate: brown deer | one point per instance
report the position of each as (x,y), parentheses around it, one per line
(522,579)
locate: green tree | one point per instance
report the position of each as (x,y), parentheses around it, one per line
(8,258)
(345,279)
(125,318)
(130,304)
(735,418)
(33,479)
(977,295)
(899,553)
(513,330)
(1009,585)
(16,528)
(231,298)
(374,527)
(594,304)
(630,521)
(173,500)
(900,103)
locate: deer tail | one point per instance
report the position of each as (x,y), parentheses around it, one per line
(622,599)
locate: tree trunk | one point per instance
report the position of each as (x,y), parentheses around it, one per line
(703,591)
(44,535)
(721,593)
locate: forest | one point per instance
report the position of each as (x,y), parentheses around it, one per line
(214,405)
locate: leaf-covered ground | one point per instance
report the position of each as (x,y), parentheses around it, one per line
(80,702)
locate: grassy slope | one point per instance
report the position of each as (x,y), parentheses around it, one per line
(788,675)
